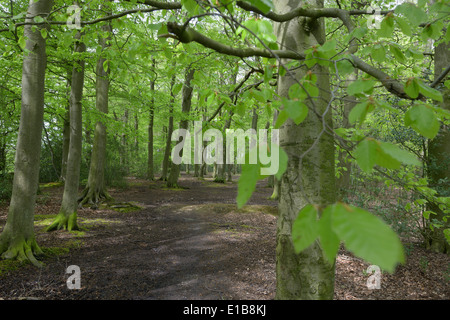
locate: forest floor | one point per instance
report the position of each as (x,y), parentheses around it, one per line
(190,243)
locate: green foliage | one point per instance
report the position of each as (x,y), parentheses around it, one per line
(364,234)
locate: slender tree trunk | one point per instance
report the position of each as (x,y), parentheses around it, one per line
(150,162)
(18,239)
(310,176)
(439,157)
(169,133)
(95,190)
(67,217)
(172,181)
(66,132)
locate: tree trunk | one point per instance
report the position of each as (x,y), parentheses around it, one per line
(310,176)
(66,133)
(150,162)
(95,189)
(169,133)
(18,239)
(343,181)
(172,181)
(67,217)
(439,157)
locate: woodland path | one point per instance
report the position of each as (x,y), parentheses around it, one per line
(191,243)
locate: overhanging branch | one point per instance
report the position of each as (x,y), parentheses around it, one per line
(186,35)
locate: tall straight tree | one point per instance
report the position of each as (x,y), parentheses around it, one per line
(150,161)
(310,176)
(95,189)
(165,164)
(172,181)
(18,239)
(67,217)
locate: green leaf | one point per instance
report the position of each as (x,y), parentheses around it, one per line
(329,241)
(378,53)
(360,111)
(22,42)
(264,5)
(268,73)
(305,228)
(430,92)
(397,53)
(247,183)
(412,88)
(423,120)
(367,236)
(414,14)
(296,110)
(344,67)
(281,118)
(106,65)
(403,25)
(365,154)
(399,154)
(360,86)
(386,27)
(190,6)
(44,33)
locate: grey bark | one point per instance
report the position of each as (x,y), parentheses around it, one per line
(95,189)
(67,217)
(169,133)
(18,239)
(172,181)
(150,162)
(310,176)
(439,156)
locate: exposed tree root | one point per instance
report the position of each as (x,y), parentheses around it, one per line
(20,249)
(64,221)
(90,196)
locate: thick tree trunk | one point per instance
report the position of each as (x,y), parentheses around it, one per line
(95,189)
(439,157)
(310,176)
(172,181)
(18,239)
(67,217)
(169,134)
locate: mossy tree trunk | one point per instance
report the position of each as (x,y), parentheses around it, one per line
(172,181)
(67,217)
(95,189)
(439,157)
(18,239)
(310,176)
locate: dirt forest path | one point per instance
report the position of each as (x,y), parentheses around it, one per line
(189,244)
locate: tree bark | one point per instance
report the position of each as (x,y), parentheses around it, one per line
(169,133)
(150,162)
(67,217)
(95,190)
(18,239)
(310,176)
(172,181)
(439,157)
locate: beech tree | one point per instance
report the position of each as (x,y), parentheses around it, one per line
(294,61)
(17,239)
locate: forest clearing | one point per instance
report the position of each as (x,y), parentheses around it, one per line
(225,150)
